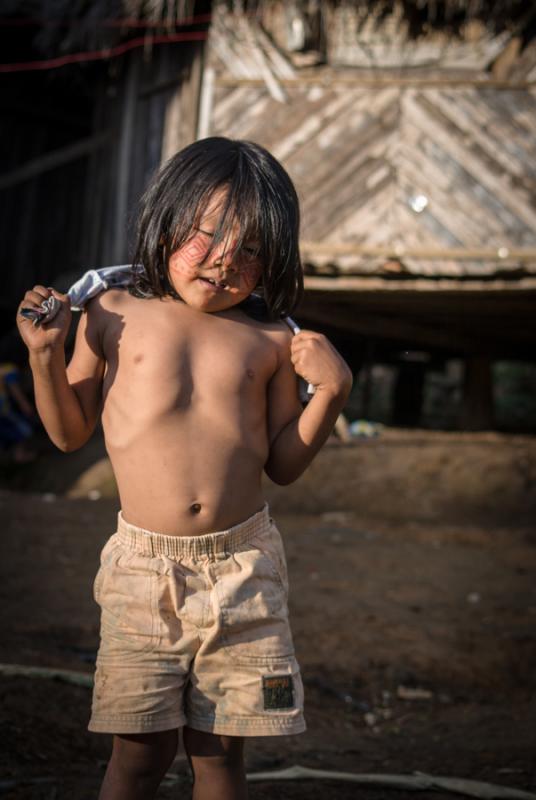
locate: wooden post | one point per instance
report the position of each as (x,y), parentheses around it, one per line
(477,405)
(367,380)
(205,103)
(408,394)
(124,161)
(182,112)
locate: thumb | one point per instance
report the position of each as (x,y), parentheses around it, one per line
(64,298)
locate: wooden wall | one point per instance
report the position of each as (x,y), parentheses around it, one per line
(77,148)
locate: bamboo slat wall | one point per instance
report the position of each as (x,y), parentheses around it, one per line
(402,167)
(397,163)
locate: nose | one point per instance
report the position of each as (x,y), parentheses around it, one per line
(222,256)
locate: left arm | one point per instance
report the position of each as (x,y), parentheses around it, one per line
(297,435)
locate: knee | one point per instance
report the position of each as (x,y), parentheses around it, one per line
(145,755)
(209,752)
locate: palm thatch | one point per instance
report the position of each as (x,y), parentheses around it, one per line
(422,16)
(66,25)
(62,26)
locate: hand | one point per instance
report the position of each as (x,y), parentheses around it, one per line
(317,361)
(47,336)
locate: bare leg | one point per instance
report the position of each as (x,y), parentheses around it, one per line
(138,764)
(217,764)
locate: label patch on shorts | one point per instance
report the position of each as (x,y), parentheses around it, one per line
(278,691)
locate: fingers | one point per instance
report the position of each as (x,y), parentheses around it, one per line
(41,305)
(34,297)
(305,340)
(304,336)
(58,295)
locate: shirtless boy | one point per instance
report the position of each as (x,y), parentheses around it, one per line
(198,395)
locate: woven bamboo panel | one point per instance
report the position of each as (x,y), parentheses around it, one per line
(405,167)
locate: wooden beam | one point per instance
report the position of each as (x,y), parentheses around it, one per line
(398,328)
(354,283)
(330,81)
(52,160)
(397,251)
(505,61)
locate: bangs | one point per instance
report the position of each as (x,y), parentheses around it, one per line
(240,221)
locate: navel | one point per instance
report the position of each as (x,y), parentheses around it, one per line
(195,508)
(250,373)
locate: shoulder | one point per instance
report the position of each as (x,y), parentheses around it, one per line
(280,336)
(108,301)
(106,306)
(276,331)
(280,332)
(105,314)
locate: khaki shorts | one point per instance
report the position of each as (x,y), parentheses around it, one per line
(194,631)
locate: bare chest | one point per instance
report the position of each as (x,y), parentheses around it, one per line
(171,366)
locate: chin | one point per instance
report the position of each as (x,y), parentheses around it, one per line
(215,305)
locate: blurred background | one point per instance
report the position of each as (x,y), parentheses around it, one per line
(409,129)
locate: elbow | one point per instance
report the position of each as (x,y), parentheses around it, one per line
(69,445)
(281,477)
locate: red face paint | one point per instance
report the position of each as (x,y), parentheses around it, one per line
(192,255)
(242,272)
(248,275)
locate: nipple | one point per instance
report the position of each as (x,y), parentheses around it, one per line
(195,508)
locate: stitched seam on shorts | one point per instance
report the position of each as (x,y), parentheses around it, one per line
(142,719)
(245,660)
(277,720)
(268,716)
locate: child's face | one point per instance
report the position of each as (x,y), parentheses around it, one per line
(226,277)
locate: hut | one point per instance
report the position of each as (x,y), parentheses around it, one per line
(409,130)
(94,97)
(411,137)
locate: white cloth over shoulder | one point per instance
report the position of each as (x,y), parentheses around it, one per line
(92,283)
(95,281)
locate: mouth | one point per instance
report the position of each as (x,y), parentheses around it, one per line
(217,286)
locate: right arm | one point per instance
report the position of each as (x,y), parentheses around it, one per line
(67,399)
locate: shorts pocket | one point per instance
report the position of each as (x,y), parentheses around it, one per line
(252,596)
(107,554)
(272,545)
(127,592)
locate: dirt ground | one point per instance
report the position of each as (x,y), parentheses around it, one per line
(380,609)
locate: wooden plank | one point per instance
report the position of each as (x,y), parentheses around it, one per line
(446,285)
(206,102)
(124,156)
(497,186)
(523,255)
(331,81)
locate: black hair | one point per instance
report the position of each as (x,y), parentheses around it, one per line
(260,197)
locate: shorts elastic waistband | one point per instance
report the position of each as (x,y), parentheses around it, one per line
(205,545)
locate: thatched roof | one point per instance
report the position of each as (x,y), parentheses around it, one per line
(62,26)
(425,15)
(67,25)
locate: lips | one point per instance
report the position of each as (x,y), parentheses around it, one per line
(213,285)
